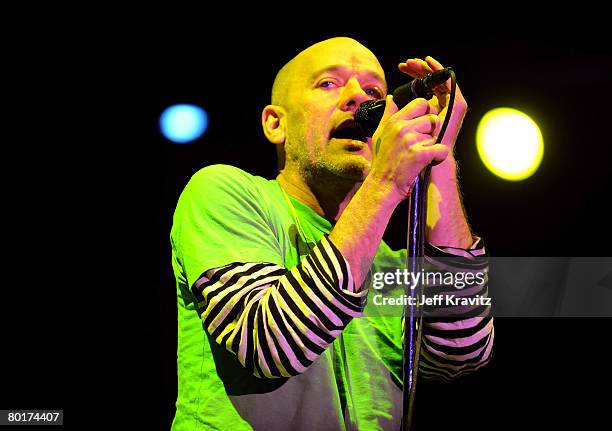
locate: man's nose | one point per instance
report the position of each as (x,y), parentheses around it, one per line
(353,96)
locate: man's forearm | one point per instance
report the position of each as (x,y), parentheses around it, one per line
(360,227)
(446,221)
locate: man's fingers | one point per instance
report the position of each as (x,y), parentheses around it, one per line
(436,65)
(415,67)
(418,68)
(390,108)
(416,108)
(426,67)
(433,63)
(426,124)
(437,152)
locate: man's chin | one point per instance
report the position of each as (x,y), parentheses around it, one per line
(353,167)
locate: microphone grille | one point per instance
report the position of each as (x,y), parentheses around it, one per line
(366,109)
(369,114)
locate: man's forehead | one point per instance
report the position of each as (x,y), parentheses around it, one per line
(338,53)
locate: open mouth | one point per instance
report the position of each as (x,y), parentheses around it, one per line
(348,130)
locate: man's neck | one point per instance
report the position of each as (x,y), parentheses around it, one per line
(326,196)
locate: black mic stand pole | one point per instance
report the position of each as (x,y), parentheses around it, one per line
(368,117)
(413,313)
(413,318)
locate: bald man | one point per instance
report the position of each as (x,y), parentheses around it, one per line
(272,275)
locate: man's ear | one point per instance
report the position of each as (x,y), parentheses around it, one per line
(273,123)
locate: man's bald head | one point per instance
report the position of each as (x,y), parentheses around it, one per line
(299,64)
(306,106)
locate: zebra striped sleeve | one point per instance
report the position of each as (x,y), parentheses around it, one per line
(455,347)
(458,342)
(278,321)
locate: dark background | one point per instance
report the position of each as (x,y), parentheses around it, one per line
(544,371)
(104,344)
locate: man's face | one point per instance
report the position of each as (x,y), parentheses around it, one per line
(328,83)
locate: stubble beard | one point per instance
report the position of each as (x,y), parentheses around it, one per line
(331,171)
(341,170)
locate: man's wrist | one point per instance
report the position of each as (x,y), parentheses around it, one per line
(382,193)
(446,169)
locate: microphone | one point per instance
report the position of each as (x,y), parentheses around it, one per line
(370,112)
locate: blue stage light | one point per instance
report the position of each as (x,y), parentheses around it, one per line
(183,123)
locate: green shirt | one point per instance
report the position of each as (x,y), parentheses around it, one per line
(224,216)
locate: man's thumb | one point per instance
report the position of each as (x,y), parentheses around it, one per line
(390,108)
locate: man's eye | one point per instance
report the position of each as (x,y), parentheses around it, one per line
(374,92)
(327,84)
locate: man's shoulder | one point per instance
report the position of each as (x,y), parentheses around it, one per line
(220,173)
(222,185)
(224,178)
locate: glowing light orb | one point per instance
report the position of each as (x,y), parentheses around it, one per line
(509,143)
(183,123)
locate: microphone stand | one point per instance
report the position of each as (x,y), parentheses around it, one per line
(413,315)
(413,318)
(368,117)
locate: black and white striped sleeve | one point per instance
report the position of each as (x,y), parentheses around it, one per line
(460,340)
(277,321)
